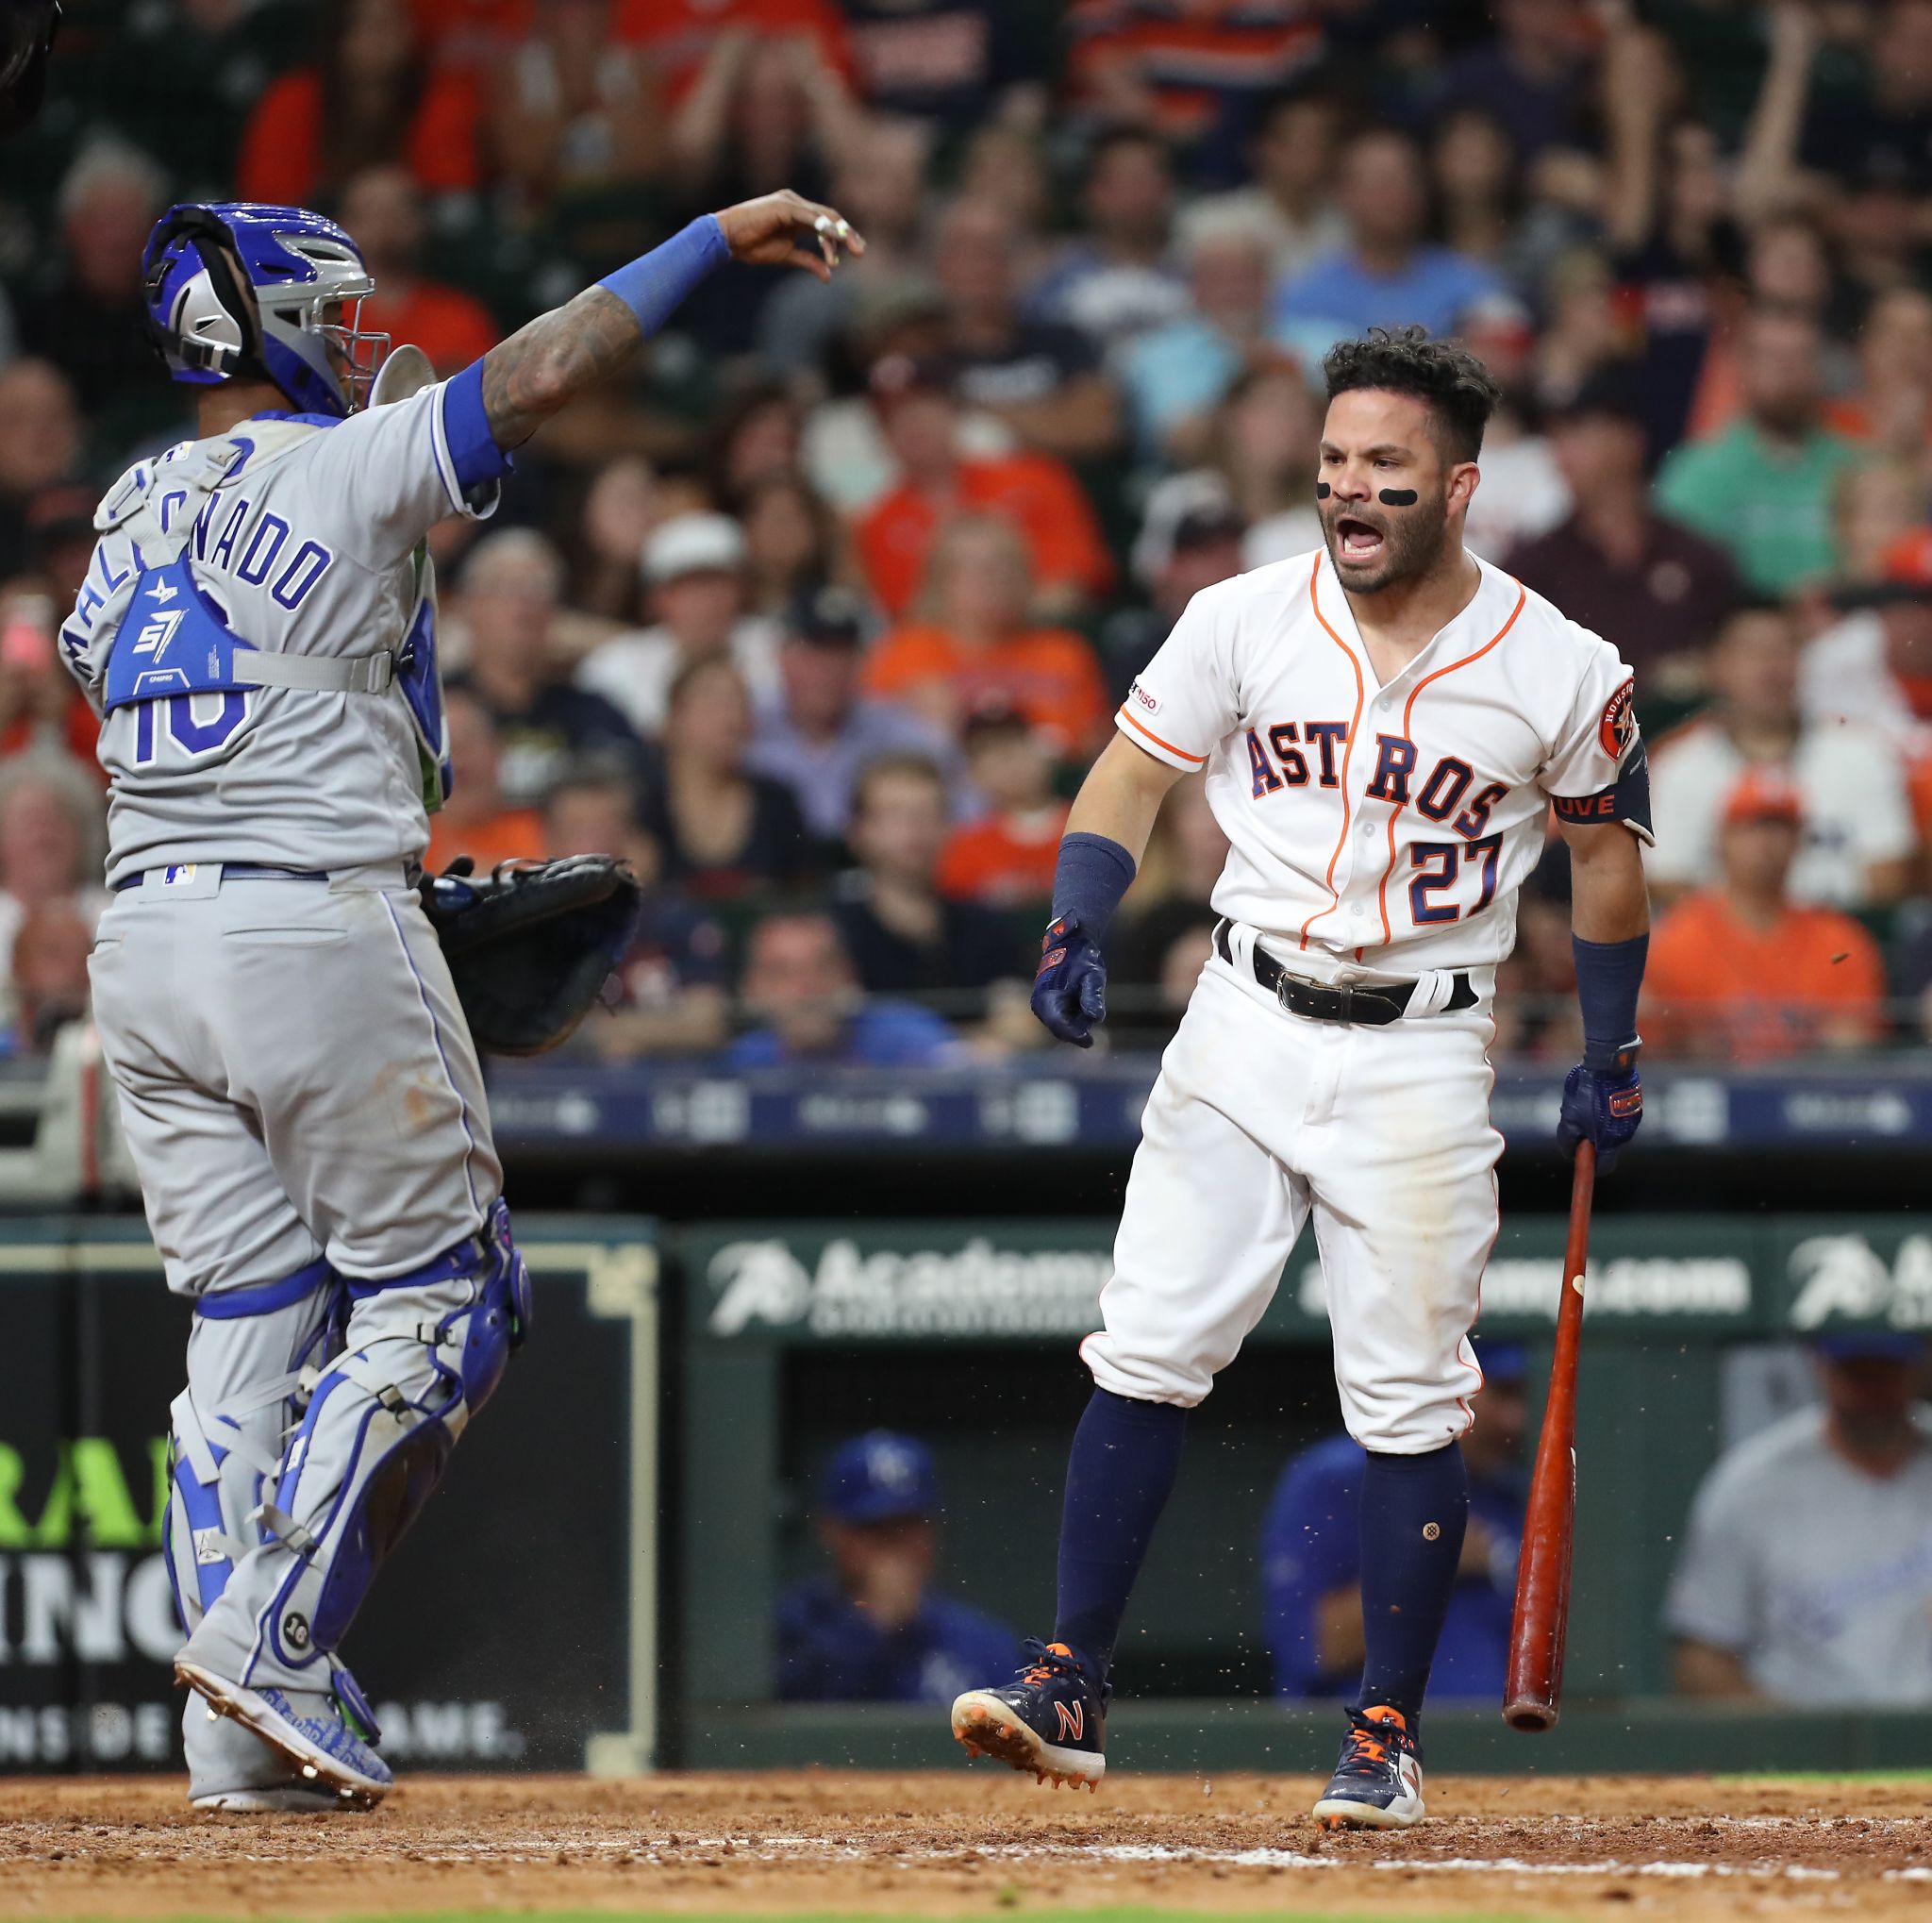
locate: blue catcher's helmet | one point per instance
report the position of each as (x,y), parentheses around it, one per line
(234,289)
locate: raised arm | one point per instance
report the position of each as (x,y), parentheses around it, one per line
(561,355)
(1768,178)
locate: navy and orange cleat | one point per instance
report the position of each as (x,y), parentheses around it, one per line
(1052,1721)
(1377,1782)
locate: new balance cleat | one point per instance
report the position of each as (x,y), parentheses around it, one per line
(311,1731)
(1052,1721)
(1377,1782)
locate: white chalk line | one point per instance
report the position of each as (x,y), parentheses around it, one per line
(698,1852)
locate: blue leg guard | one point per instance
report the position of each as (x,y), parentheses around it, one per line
(424,1351)
(255,1359)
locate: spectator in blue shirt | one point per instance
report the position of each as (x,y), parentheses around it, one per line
(1387,277)
(1311,1555)
(821,733)
(799,979)
(1175,376)
(874,1630)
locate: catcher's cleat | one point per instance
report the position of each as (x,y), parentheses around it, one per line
(326,1753)
(231,1769)
(287,1802)
(1052,1721)
(1377,1782)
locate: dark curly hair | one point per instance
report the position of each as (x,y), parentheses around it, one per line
(1449,381)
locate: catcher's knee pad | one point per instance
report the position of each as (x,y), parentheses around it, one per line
(424,1350)
(254,1357)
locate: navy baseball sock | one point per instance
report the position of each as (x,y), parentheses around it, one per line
(1119,1477)
(1414,1509)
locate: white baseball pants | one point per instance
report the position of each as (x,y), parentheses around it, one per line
(1262,1119)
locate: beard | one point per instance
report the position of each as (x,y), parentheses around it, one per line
(1374,547)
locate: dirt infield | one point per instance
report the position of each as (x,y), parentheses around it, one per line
(974,1843)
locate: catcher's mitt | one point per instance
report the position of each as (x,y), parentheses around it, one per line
(532,944)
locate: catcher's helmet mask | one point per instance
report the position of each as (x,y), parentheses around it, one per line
(236,291)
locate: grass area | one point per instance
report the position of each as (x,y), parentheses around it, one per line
(1787,1776)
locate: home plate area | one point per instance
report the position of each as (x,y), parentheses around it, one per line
(828,1844)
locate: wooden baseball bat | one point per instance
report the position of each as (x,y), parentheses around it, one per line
(1534,1685)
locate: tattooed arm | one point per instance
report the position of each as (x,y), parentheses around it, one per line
(560,355)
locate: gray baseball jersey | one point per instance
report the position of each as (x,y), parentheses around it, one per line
(260,631)
(257,625)
(1819,1575)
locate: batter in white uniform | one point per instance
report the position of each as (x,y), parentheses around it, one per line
(301,1093)
(1383,725)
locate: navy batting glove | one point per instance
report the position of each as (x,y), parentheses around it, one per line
(1070,989)
(1602,1102)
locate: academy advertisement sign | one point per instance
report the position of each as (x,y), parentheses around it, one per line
(511,1628)
(1030,1280)
(846,1288)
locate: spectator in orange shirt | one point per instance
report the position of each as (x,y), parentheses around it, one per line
(382,209)
(1007,857)
(920,417)
(1738,972)
(681,35)
(475,820)
(975,645)
(368,96)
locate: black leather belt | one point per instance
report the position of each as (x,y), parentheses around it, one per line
(234,871)
(1316,1001)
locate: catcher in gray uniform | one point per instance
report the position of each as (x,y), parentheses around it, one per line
(296,1073)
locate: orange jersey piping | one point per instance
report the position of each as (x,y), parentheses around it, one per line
(1407,716)
(1198,760)
(1354,727)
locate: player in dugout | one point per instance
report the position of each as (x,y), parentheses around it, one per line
(1311,1555)
(874,1629)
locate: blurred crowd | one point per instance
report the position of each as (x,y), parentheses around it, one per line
(819,614)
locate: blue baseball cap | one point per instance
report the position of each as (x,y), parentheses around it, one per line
(880,1477)
(1860,1345)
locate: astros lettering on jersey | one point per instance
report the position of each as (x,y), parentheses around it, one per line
(1380,830)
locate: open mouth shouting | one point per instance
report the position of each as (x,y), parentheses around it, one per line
(1357,539)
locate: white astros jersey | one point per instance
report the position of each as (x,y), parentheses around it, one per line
(290,537)
(1378,831)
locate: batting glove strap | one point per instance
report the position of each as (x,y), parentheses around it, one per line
(1611,1058)
(1070,987)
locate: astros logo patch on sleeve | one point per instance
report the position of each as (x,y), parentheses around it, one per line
(1618,728)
